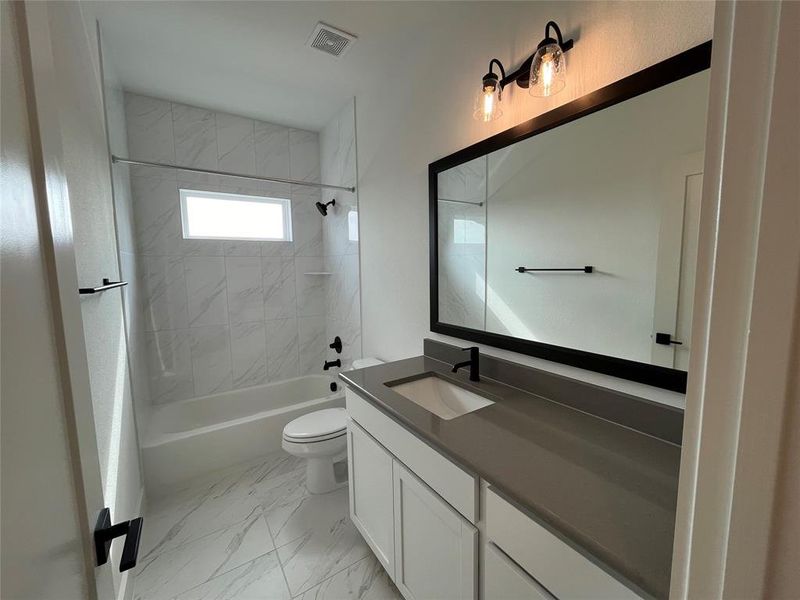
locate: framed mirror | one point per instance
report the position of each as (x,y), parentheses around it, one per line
(573,237)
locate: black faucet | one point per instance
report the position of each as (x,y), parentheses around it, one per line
(472,363)
(332,363)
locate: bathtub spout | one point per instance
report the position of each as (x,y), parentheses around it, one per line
(332,363)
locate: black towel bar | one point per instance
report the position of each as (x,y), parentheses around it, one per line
(107,285)
(586,269)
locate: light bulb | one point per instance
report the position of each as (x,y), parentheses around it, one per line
(547,74)
(487,103)
(548,71)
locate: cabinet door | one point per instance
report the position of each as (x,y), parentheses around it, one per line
(435,547)
(371,497)
(504,580)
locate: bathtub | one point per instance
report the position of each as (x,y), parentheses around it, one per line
(191,437)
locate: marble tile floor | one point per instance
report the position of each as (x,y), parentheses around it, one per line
(253,532)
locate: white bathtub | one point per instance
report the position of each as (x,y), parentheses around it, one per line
(192,437)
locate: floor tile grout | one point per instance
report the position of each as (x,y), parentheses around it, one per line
(259,508)
(278,558)
(316,585)
(189,589)
(256,479)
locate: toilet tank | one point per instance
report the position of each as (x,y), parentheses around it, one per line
(362,363)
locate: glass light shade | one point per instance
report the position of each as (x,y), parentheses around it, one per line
(548,71)
(487,103)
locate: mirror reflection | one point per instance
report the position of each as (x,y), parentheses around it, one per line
(618,191)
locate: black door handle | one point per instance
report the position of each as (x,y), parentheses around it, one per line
(665,339)
(105,532)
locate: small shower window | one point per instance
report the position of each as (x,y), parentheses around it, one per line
(218,215)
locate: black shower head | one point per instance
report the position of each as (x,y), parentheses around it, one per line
(323,208)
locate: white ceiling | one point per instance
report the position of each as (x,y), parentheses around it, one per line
(251,58)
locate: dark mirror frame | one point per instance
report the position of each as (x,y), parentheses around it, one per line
(683,65)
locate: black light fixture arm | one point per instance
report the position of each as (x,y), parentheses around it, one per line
(491,75)
(559,39)
(522,74)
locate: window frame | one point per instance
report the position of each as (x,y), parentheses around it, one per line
(286,203)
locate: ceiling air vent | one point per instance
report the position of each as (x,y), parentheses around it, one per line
(331,40)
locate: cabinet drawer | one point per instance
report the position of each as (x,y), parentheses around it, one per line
(503,580)
(561,570)
(450,481)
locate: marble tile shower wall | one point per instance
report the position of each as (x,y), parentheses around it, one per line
(340,235)
(462,245)
(221,315)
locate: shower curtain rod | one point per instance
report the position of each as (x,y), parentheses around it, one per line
(144,163)
(460,201)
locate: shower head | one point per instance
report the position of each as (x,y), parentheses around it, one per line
(323,208)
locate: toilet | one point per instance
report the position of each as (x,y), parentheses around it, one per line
(321,438)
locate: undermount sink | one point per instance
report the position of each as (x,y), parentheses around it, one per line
(440,397)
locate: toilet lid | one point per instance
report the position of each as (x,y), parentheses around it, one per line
(317,424)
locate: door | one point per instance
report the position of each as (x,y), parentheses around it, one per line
(677,261)
(691,225)
(371,495)
(64,97)
(435,547)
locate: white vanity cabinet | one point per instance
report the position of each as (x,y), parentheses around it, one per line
(418,510)
(371,493)
(403,495)
(435,547)
(505,580)
(552,567)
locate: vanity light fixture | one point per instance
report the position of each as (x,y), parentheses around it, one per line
(487,103)
(544,73)
(548,71)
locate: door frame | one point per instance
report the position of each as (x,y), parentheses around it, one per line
(670,251)
(743,368)
(58,247)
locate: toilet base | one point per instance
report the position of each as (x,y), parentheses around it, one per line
(321,474)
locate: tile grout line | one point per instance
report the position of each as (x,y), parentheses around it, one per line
(277,556)
(224,474)
(313,587)
(260,509)
(316,585)
(202,537)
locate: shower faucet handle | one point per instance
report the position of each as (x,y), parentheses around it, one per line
(336,345)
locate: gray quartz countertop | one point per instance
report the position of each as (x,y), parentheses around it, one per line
(607,490)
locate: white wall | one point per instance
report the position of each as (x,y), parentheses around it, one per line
(42,551)
(421,110)
(462,244)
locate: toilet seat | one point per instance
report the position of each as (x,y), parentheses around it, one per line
(318,426)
